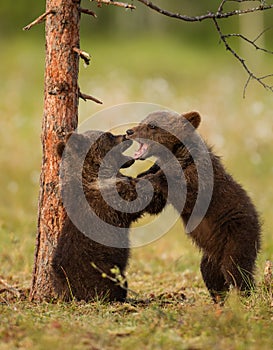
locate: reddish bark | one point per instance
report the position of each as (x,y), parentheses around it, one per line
(60,117)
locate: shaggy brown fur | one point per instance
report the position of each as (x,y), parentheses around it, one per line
(74,275)
(229,233)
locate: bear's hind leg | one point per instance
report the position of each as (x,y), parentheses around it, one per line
(214,279)
(239,273)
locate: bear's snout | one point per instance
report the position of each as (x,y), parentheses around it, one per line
(129,132)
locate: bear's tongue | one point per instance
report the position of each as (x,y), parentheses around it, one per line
(142,149)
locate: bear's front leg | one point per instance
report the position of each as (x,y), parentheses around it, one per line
(214,279)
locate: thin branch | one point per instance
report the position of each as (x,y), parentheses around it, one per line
(251,75)
(266,76)
(251,42)
(115,3)
(83,55)
(88,97)
(261,1)
(88,12)
(210,15)
(40,19)
(262,33)
(221,6)
(246,85)
(114,279)
(9,288)
(220,14)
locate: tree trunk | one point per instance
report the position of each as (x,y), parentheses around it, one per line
(60,117)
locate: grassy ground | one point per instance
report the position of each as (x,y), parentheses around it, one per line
(172,309)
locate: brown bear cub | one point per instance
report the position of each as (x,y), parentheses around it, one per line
(101,204)
(217,212)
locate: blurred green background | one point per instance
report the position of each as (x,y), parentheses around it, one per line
(136,56)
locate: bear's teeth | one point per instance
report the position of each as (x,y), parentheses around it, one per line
(142,149)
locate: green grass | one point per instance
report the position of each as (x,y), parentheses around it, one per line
(167,321)
(173,309)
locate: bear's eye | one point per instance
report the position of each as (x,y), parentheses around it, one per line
(110,135)
(151,126)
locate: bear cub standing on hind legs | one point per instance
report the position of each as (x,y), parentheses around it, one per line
(101,204)
(228,230)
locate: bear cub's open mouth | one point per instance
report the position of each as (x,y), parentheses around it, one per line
(143,147)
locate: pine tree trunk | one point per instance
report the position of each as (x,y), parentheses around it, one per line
(60,117)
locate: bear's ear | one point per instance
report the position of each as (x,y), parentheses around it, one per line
(193,117)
